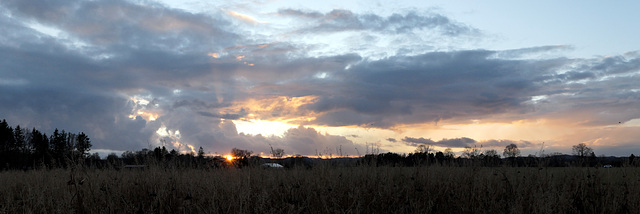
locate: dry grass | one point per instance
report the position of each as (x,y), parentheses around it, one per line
(324,190)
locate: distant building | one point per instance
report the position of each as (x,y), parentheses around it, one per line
(272,165)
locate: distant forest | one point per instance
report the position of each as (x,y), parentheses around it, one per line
(22,149)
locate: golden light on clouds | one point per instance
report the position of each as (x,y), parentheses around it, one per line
(139,101)
(540,135)
(214,55)
(244,18)
(262,127)
(281,108)
(165,135)
(140,109)
(272,116)
(535,131)
(148,116)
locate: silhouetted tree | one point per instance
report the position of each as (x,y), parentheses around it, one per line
(241,157)
(239,153)
(58,147)
(470,152)
(94,160)
(422,149)
(160,153)
(511,151)
(82,145)
(200,153)
(443,158)
(173,153)
(20,140)
(582,150)
(113,159)
(448,152)
(22,149)
(41,151)
(492,153)
(7,141)
(277,153)
(490,158)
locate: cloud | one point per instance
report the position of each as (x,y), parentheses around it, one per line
(307,140)
(103,117)
(115,26)
(221,135)
(245,18)
(427,87)
(461,86)
(374,36)
(464,142)
(124,72)
(345,20)
(108,52)
(532,52)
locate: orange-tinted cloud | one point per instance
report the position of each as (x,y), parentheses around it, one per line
(284,109)
(214,55)
(245,18)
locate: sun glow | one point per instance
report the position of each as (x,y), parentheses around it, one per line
(148,116)
(214,55)
(282,108)
(229,157)
(262,127)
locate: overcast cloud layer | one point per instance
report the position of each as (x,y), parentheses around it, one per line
(130,74)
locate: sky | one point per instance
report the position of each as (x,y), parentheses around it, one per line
(325,78)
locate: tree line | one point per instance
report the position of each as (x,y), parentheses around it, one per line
(21,148)
(582,156)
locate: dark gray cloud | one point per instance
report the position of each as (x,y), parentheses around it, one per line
(150,53)
(308,140)
(220,136)
(417,141)
(621,64)
(460,86)
(105,53)
(102,116)
(464,142)
(428,87)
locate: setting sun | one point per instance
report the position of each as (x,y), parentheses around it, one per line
(229,157)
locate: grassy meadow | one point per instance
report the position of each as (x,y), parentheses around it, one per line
(323,189)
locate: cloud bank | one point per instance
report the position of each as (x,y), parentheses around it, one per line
(133,75)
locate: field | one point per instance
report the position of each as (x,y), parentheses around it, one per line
(323,190)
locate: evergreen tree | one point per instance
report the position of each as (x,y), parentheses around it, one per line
(58,142)
(7,141)
(19,139)
(20,151)
(40,145)
(200,153)
(82,145)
